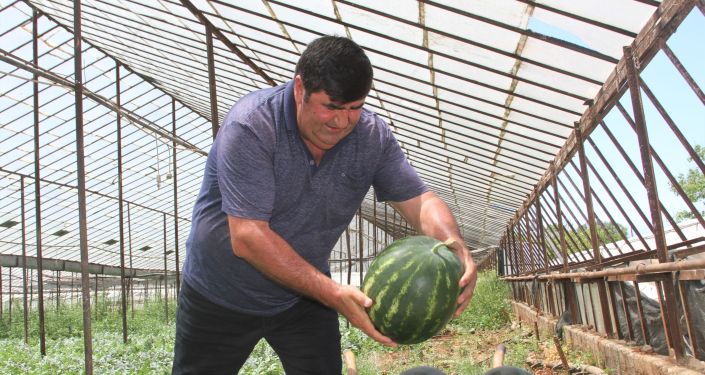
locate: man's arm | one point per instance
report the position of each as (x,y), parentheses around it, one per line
(265,250)
(432,217)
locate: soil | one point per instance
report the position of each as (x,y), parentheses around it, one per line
(448,349)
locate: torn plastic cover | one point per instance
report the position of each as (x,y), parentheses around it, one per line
(695,294)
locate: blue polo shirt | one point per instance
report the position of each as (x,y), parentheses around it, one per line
(259,168)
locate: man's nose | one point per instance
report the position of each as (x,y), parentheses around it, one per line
(341,118)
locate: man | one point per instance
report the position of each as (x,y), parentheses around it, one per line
(285,176)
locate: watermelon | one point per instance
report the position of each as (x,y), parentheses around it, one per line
(414,285)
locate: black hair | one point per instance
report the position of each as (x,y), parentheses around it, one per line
(336,65)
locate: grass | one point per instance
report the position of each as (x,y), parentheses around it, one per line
(465,347)
(148,351)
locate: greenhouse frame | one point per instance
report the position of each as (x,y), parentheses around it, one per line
(567,137)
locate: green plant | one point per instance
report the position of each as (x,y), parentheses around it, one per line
(693,184)
(488,308)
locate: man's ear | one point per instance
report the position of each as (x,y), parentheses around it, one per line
(298,89)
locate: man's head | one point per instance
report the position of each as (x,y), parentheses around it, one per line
(333,78)
(337,66)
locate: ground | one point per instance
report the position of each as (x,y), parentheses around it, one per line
(461,353)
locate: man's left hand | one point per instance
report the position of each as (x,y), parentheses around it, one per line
(469,278)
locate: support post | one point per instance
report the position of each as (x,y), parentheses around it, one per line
(121,213)
(670,308)
(166,290)
(594,240)
(25,309)
(176,200)
(215,123)
(37,190)
(81,184)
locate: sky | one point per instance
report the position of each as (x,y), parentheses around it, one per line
(681,104)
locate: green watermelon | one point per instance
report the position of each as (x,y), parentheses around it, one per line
(414,285)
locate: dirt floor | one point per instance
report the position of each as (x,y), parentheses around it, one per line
(477,349)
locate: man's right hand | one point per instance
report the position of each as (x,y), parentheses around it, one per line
(351,303)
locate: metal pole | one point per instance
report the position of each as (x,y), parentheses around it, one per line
(166,290)
(673,329)
(347,242)
(58,290)
(541,233)
(514,253)
(386,222)
(625,309)
(37,190)
(638,269)
(533,263)
(121,213)
(688,319)
(176,200)
(215,123)
(81,182)
(374,226)
(95,295)
(594,241)
(129,244)
(359,241)
(642,317)
(522,260)
(10,297)
(597,257)
(24,255)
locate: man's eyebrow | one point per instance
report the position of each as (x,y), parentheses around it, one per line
(336,106)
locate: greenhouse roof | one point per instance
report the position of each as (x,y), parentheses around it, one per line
(484,97)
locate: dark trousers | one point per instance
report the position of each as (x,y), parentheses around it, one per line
(211,339)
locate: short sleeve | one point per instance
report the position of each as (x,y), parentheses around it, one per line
(245,171)
(395,179)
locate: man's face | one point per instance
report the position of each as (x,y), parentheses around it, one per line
(322,122)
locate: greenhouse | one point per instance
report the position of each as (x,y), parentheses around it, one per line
(567,138)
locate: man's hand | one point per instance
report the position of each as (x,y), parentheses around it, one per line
(469,278)
(351,303)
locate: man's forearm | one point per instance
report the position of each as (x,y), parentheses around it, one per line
(430,216)
(265,250)
(255,242)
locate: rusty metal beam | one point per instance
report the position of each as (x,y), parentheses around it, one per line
(81,185)
(177,267)
(37,189)
(616,201)
(23,261)
(121,213)
(587,196)
(687,252)
(166,284)
(639,269)
(648,42)
(688,78)
(670,313)
(212,85)
(223,39)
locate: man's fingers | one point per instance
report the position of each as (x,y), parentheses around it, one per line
(366,302)
(467,282)
(380,338)
(366,326)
